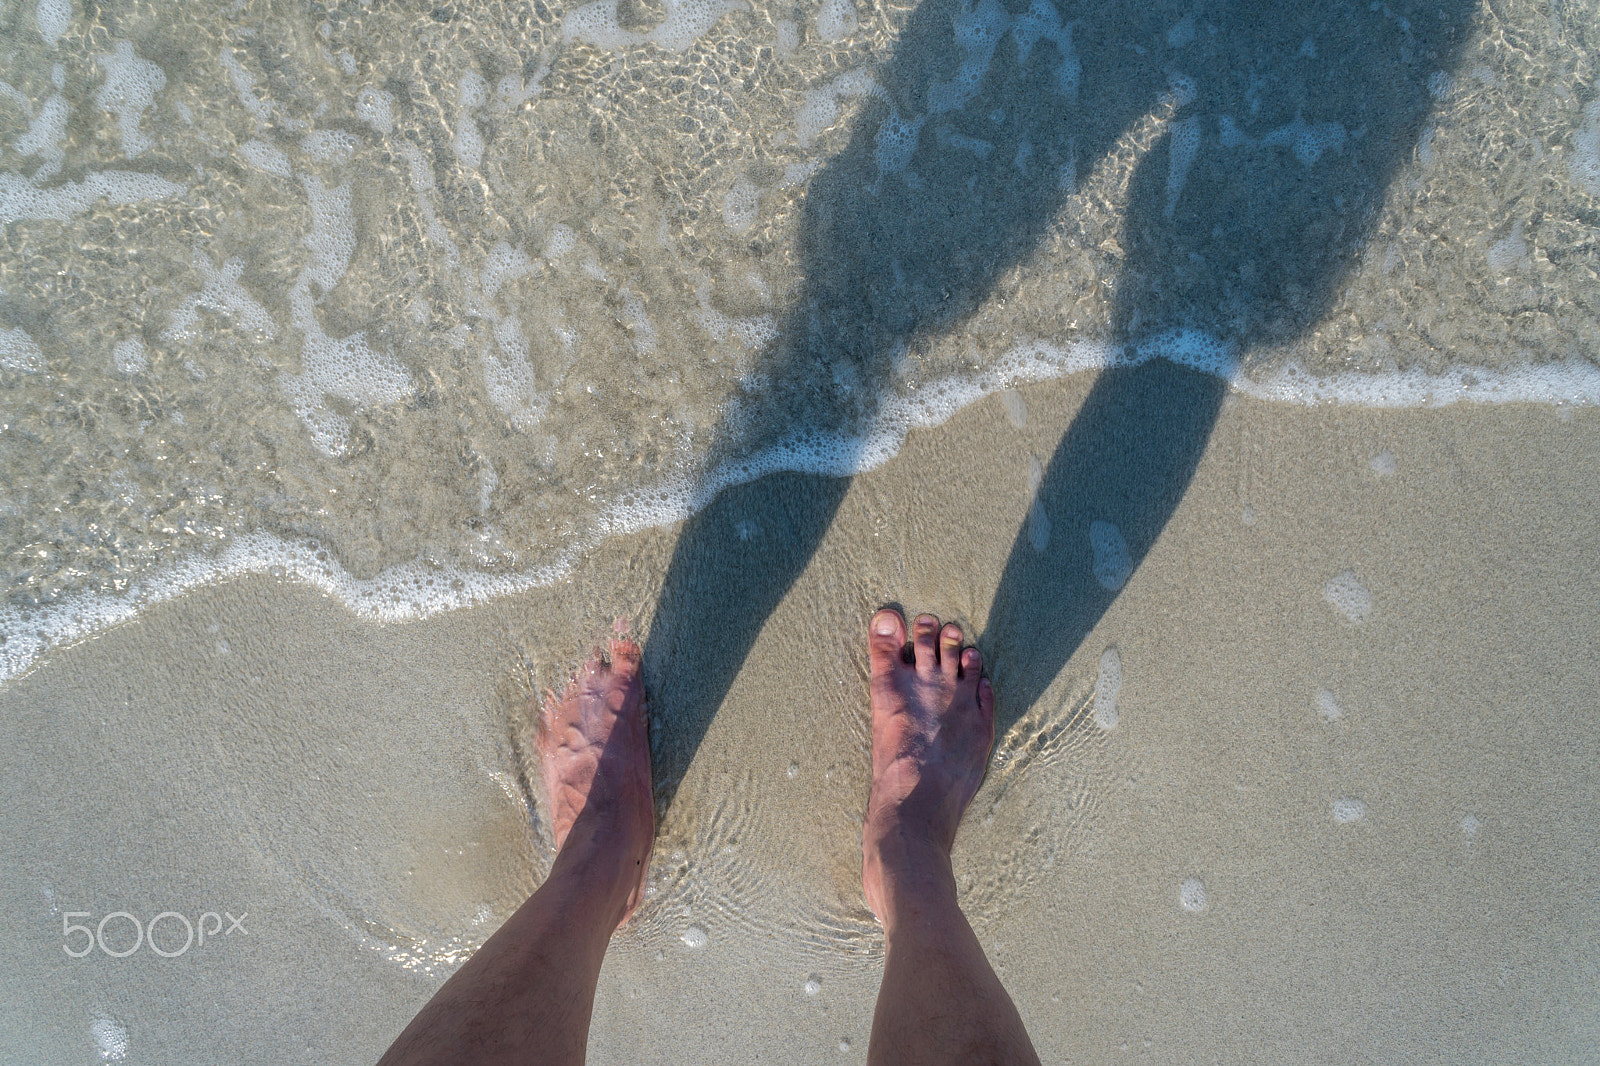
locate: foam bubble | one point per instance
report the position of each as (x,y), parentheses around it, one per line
(46,132)
(1470,826)
(1192,896)
(329,146)
(52,17)
(896,141)
(503,263)
(786,36)
(1112,563)
(472,93)
(1347,811)
(130,87)
(694,937)
(836,20)
(1348,596)
(560,241)
(1327,706)
(822,107)
(244,86)
(129,356)
(19,352)
(1383,464)
(1107,686)
(109,1035)
(1585,162)
(813,985)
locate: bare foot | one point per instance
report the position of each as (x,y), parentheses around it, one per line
(932,727)
(595,754)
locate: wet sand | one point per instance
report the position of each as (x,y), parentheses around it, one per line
(360,791)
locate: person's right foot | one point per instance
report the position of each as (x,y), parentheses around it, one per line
(932,728)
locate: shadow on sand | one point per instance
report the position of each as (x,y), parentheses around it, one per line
(1290,123)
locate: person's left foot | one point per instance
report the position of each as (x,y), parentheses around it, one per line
(595,754)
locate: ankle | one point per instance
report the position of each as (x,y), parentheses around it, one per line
(905,873)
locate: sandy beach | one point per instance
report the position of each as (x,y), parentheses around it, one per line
(1297,830)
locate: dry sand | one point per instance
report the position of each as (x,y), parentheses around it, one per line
(358,789)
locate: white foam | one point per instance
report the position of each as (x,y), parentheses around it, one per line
(1038,521)
(786,36)
(1192,896)
(813,985)
(266,158)
(896,141)
(503,263)
(1107,686)
(45,134)
(109,1035)
(740,205)
(376,108)
(1383,464)
(836,20)
(347,368)
(1015,408)
(1348,596)
(244,86)
(19,352)
(52,17)
(1585,162)
(221,295)
(1510,252)
(329,146)
(1112,563)
(1183,148)
(509,377)
(1328,707)
(686,21)
(560,241)
(821,107)
(1470,826)
(472,93)
(20,198)
(130,87)
(694,937)
(418,590)
(129,356)
(1347,811)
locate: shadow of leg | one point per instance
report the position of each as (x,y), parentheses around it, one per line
(1126,460)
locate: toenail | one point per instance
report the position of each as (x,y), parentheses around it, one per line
(885,625)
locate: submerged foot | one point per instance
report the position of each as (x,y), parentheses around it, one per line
(932,727)
(595,756)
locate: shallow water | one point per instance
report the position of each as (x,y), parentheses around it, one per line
(420,304)
(429,307)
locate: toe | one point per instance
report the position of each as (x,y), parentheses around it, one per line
(971,665)
(886,640)
(950,649)
(625,656)
(923,637)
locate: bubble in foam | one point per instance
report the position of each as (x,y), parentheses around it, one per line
(110,1039)
(1348,596)
(836,20)
(1347,811)
(1470,826)
(1383,464)
(896,141)
(1192,896)
(1327,706)
(844,1044)
(129,356)
(222,295)
(1107,686)
(19,352)
(694,937)
(1112,562)
(813,985)
(52,17)
(560,241)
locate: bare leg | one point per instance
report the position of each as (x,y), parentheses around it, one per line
(932,727)
(527,994)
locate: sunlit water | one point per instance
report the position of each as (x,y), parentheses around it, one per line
(420,303)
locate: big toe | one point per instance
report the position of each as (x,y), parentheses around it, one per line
(886,641)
